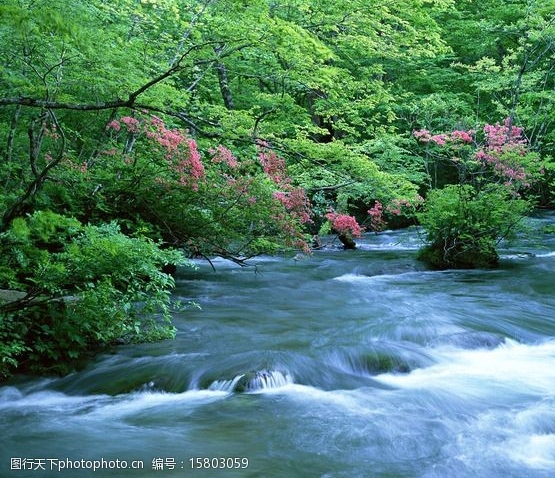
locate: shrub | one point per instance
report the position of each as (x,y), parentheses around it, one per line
(464,222)
(97,286)
(464,226)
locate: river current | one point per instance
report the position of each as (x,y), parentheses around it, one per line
(341,364)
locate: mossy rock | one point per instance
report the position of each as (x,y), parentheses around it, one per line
(7,295)
(378,363)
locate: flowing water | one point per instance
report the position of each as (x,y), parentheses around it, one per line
(343,364)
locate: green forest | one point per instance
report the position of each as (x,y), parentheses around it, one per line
(138,134)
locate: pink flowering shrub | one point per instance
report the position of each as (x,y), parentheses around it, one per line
(464,222)
(296,203)
(223,155)
(291,198)
(132,124)
(501,156)
(379,215)
(180,152)
(503,152)
(344,224)
(377,222)
(274,166)
(405,207)
(222,205)
(442,139)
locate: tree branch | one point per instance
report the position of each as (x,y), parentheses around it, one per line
(332,188)
(104,105)
(18,205)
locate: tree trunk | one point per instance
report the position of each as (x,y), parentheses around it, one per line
(223,80)
(347,241)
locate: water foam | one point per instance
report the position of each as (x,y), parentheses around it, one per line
(547,254)
(137,403)
(47,400)
(360,278)
(534,451)
(253,381)
(511,368)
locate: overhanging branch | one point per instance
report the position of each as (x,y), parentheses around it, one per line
(129,102)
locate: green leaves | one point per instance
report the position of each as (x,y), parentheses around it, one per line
(336,88)
(463,225)
(89,287)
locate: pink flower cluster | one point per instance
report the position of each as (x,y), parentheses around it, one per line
(344,224)
(499,136)
(377,222)
(293,198)
(224,156)
(273,165)
(504,144)
(464,136)
(398,207)
(499,154)
(189,165)
(179,150)
(131,123)
(296,203)
(457,136)
(115,125)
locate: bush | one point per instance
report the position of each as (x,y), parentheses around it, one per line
(465,222)
(464,226)
(81,287)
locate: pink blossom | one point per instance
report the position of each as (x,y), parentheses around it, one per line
(273,165)
(422,135)
(464,136)
(294,199)
(296,202)
(114,124)
(503,143)
(405,206)
(344,224)
(131,123)
(439,139)
(186,161)
(376,216)
(223,155)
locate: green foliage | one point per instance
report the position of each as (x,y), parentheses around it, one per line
(12,344)
(392,155)
(505,52)
(28,245)
(348,179)
(336,88)
(95,287)
(464,226)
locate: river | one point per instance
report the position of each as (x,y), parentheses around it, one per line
(342,364)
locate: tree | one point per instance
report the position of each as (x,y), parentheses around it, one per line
(283,75)
(518,80)
(464,222)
